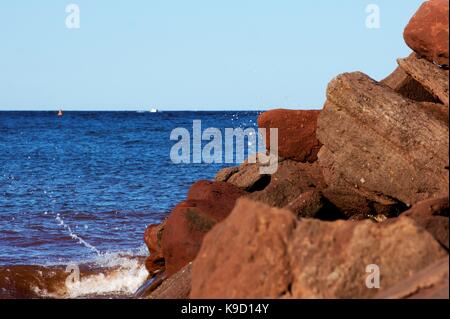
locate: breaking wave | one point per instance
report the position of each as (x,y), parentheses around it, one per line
(110,275)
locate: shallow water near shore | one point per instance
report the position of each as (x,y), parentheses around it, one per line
(83,187)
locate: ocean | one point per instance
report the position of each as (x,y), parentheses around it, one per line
(83,187)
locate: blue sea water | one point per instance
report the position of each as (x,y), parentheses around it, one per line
(89,183)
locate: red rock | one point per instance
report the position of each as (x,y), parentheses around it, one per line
(291,179)
(245,256)
(407,86)
(155,264)
(249,178)
(427,31)
(342,251)
(264,252)
(430,283)
(313,204)
(224,174)
(381,143)
(432,215)
(212,191)
(354,202)
(308,204)
(152,237)
(296,133)
(207,204)
(429,75)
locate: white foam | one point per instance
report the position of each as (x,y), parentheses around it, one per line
(122,276)
(123,281)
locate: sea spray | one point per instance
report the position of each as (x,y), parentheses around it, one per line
(73,235)
(122,280)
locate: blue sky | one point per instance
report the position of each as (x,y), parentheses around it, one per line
(193,55)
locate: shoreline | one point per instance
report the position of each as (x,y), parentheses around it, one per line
(91,280)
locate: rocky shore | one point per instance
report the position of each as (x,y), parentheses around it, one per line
(362,186)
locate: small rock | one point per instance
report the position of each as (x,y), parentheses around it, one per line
(152,237)
(249,178)
(313,204)
(177,286)
(224,174)
(290,181)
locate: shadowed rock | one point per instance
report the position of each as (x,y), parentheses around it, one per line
(152,237)
(429,75)
(155,263)
(249,178)
(313,204)
(290,181)
(406,86)
(178,286)
(224,174)
(355,202)
(431,215)
(292,184)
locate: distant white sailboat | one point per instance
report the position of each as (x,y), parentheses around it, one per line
(154,111)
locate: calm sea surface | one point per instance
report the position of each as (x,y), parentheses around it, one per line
(88,183)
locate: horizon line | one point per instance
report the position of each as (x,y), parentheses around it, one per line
(161,110)
(138,110)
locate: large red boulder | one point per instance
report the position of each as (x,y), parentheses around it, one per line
(427,32)
(207,204)
(265,252)
(296,133)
